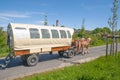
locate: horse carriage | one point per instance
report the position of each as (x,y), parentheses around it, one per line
(28,41)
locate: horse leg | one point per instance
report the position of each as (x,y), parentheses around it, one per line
(79,46)
(88,49)
(77,49)
(82,50)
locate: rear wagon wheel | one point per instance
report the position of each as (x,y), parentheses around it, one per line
(32,60)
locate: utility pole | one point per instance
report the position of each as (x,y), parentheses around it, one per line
(45,21)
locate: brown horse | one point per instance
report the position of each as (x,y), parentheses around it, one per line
(85,45)
(77,44)
(82,44)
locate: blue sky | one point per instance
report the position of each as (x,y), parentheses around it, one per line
(70,13)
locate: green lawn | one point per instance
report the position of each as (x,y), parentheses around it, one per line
(103,68)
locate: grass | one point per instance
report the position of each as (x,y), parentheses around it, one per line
(103,68)
(3,55)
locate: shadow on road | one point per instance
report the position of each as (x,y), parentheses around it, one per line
(18,62)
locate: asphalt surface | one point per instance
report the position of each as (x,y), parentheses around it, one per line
(47,62)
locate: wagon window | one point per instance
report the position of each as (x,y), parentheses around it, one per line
(69,35)
(34,33)
(20,33)
(55,34)
(63,34)
(45,33)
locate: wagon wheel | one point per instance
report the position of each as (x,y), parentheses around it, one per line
(70,53)
(32,60)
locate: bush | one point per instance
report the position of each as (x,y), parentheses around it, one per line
(3,44)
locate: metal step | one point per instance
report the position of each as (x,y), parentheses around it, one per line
(7,60)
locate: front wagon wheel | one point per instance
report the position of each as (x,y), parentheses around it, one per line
(32,60)
(70,53)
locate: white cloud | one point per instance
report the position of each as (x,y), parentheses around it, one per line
(40,22)
(41,13)
(35,13)
(13,15)
(8,16)
(4,18)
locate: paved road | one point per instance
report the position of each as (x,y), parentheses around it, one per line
(48,62)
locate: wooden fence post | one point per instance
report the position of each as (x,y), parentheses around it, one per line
(111,49)
(113,45)
(106,46)
(116,39)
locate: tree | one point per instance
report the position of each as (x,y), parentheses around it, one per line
(2,37)
(82,31)
(106,30)
(113,23)
(62,26)
(3,46)
(97,30)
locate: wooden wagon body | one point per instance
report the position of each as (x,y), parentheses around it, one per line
(27,40)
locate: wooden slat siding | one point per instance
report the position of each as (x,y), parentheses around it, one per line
(60,48)
(24,52)
(21,52)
